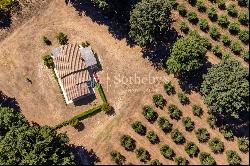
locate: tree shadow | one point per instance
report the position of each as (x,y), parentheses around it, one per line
(111,112)
(193,80)
(85,157)
(6,101)
(80,126)
(5,19)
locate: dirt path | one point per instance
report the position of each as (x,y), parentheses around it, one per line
(20,56)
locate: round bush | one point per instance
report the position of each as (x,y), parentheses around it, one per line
(182,10)
(235,47)
(197,110)
(214,33)
(243,144)
(245,55)
(212,14)
(155,162)
(192,149)
(243,18)
(203,23)
(226,132)
(153,137)
(202,135)
(167,152)
(48,61)
(158,100)
(244,36)
(139,128)
(142,154)
(149,114)
(217,51)
(201,6)
(223,21)
(234,28)
(174,112)
(233,158)
(216,145)
(184,27)
(192,17)
(169,88)
(232,11)
(188,123)
(211,120)
(221,4)
(128,143)
(164,124)
(117,157)
(62,38)
(225,40)
(206,159)
(183,98)
(180,160)
(177,137)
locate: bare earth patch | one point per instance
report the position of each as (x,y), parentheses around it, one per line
(41,101)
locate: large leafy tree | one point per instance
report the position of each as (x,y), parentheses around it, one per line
(148,20)
(187,55)
(25,144)
(226,89)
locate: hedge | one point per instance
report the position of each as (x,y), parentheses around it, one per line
(101,92)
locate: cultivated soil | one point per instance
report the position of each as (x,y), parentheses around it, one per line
(20,57)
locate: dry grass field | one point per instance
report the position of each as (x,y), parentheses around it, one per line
(21,56)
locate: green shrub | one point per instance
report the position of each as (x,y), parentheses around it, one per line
(234,28)
(74,123)
(180,160)
(183,98)
(206,159)
(245,55)
(243,144)
(192,17)
(117,157)
(167,152)
(62,38)
(233,158)
(235,47)
(243,3)
(211,120)
(244,36)
(182,10)
(139,128)
(192,149)
(217,51)
(221,4)
(106,108)
(158,100)
(223,21)
(155,162)
(188,123)
(169,88)
(153,137)
(128,142)
(197,110)
(174,112)
(48,61)
(226,132)
(46,41)
(177,137)
(149,114)
(212,14)
(164,124)
(214,33)
(184,27)
(201,6)
(232,11)
(202,135)
(216,145)
(243,18)
(225,40)
(203,23)
(142,154)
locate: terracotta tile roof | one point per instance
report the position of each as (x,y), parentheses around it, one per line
(72,72)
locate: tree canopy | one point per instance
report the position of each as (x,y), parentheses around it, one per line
(226,89)
(5,3)
(148,20)
(187,55)
(25,144)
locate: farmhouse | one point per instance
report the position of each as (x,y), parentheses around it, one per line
(72,65)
